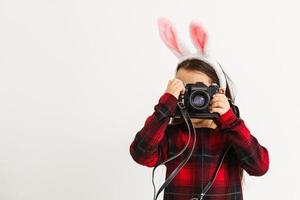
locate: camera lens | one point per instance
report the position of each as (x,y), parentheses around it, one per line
(198,100)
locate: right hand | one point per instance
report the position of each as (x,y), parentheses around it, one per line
(175,87)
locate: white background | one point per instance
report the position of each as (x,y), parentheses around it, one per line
(78,79)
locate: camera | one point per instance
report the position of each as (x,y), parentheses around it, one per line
(196,100)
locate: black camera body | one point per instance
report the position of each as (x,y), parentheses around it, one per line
(196,100)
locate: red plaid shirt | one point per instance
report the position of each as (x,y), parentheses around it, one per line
(158,140)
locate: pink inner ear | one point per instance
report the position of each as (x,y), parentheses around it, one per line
(199,36)
(168,34)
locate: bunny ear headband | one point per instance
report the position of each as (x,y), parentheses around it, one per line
(199,38)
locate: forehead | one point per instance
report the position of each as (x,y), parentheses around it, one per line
(193,76)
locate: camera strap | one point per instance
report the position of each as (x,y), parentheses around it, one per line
(188,121)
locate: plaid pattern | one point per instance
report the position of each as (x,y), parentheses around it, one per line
(158,140)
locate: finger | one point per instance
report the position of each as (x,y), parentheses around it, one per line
(219,95)
(218,104)
(180,83)
(180,88)
(176,81)
(217,110)
(173,84)
(176,87)
(217,98)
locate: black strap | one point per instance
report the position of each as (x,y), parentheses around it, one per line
(210,183)
(178,168)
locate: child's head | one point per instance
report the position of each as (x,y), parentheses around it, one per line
(195,70)
(192,67)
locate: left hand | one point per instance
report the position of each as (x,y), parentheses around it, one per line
(219,103)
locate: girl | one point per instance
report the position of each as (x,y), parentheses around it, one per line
(163,136)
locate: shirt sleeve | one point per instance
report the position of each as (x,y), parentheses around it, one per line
(150,145)
(253,157)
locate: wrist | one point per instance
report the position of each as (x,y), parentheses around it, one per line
(226,119)
(167,105)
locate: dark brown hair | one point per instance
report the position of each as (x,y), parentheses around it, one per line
(199,65)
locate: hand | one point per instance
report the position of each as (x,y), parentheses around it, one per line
(175,87)
(219,103)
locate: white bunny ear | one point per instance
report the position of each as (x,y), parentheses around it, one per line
(169,36)
(199,37)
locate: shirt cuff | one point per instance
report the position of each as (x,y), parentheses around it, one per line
(226,119)
(167,105)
